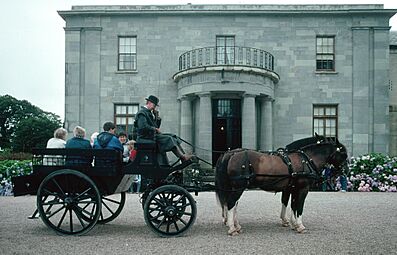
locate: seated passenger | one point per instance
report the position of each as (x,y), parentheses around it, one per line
(132,150)
(107,140)
(123,140)
(147,127)
(78,142)
(57,142)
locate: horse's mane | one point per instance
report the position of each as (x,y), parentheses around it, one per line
(299,144)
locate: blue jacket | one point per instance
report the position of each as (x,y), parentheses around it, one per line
(78,143)
(106,140)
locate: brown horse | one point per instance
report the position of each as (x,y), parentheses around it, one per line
(291,171)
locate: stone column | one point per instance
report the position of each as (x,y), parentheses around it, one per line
(248,120)
(266,129)
(186,123)
(205,127)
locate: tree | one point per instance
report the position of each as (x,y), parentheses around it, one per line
(33,132)
(14,112)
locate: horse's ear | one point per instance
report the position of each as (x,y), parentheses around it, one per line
(316,135)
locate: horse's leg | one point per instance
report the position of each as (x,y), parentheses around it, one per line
(284,203)
(236,222)
(301,201)
(232,213)
(224,214)
(294,206)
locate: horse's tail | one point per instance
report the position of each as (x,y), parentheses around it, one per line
(222,180)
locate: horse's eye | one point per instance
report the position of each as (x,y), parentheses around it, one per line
(338,149)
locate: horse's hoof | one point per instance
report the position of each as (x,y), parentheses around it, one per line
(224,221)
(238,229)
(234,233)
(301,229)
(285,223)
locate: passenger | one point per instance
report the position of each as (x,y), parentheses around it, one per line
(108,139)
(132,150)
(59,139)
(57,142)
(93,137)
(123,140)
(78,141)
(147,127)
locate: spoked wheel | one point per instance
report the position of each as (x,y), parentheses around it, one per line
(170,210)
(112,205)
(69,202)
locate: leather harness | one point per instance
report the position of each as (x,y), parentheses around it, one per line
(309,170)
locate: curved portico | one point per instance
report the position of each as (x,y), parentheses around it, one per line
(204,87)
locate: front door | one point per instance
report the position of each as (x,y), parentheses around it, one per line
(226,126)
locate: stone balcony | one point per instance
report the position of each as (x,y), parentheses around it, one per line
(237,58)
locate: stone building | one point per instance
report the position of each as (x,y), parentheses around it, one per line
(254,76)
(393,93)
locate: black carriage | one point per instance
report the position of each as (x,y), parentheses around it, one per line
(78,188)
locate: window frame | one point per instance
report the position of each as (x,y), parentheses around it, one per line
(127,115)
(225,47)
(119,54)
(324,117)
(325,54)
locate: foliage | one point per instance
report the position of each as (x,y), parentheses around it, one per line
(15,116)
(8,154)
(33,132)
(12,168)
(373,172)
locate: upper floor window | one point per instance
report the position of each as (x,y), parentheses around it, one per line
(124,116)
(225,49)
(325,120)
(127,53)
(325,53)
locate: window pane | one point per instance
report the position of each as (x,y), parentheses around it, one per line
(118,109)
(123,109)
(130,120)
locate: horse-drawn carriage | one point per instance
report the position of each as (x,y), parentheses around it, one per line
(77,189)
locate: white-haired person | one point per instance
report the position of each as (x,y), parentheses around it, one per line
(59,139)
(57,142)
(78,141)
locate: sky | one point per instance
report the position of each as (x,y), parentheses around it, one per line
(32,43)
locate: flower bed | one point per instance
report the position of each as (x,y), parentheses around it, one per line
(373,172)
(11,168)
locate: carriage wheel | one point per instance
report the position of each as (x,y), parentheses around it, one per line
(170,210)
(69,202)
(112,206)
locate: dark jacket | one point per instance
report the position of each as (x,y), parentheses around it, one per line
(106,140)
(145,124)
(78,143)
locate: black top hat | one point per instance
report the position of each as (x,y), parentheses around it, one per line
(153,99)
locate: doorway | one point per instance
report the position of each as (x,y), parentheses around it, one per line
(226,126)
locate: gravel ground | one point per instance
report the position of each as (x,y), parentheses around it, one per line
(336,223)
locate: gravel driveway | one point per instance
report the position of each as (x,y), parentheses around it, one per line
(336,223)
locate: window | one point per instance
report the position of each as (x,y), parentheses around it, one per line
(325,53)
(224,49)
(127,53)
(325,120)
(124,116)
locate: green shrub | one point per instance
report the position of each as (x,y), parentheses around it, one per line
(11,168)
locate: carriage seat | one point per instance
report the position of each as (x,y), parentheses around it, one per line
(147,148)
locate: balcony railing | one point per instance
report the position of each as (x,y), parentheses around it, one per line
(233,56)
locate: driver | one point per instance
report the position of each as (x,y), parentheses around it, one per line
(147,127)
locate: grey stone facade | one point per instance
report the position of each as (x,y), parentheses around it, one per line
(393,93)
(276,103)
